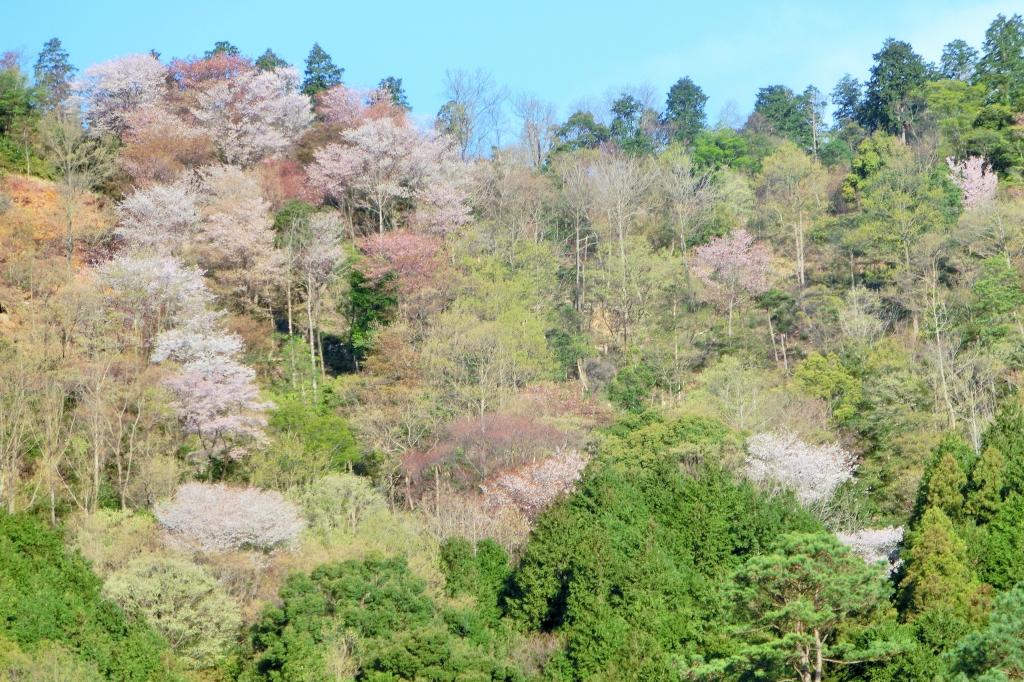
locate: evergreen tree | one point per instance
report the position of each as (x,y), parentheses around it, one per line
(800,603)
(627,127)
(846,97)
(888,103)
(268,61)
(392,88)
(782,109)
(959,61)
(684,109)
(938,589)
(945,478)
(581,131)
(222,47)
(1002,555)
(1001,68)
(321,72)
(945,486)
(986,491)
(996,652)
(53,73)
(1006,433)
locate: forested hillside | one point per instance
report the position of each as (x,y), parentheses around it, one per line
(299,384)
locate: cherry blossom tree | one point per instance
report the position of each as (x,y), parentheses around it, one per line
(733,268)
(159,146)
(875,545)
(415,258)
(235,242)
(189,74)
(342,106)
(532,487)
(285,179)
(347,107)
(184,345)
(218,400)
(114,89)
(382,164)
(253,115)
(150,294)
(160,218)
(782,461)
(219,518)
(975,178)
(442,202)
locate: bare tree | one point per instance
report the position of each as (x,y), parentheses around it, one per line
(618,184)
(81,162)
(537,127)
(480,101)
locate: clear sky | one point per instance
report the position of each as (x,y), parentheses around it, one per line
(562,52)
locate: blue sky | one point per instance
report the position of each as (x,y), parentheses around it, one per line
(562,52)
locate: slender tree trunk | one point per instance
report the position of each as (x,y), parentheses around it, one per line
(311,338)
(819,664)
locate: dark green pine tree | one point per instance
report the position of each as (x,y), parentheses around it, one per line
(889,103)
(223,47)
(268,61)
(986,493)
(1001,557)
(53,73)
(391,88)
(684,109)
(784,111)
(321,71)
(1001,67)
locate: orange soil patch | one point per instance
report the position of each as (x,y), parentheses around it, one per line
(35,222)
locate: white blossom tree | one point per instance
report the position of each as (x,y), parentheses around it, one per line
(112,90)
(148,294)
(217,399)
(160,218)
(185,345)
(381,164)
(782,461)
(235,241)
(219,518)
(253,115)
(875,545)
(532,487)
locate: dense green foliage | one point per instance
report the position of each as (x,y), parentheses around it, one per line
(52,602)
(377,613)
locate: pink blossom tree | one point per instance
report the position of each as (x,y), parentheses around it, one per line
(159,218)
(159,145)
(975,178)
(733,268)
(219,518)
(415,258)
(253,115)
(342,106)
(114,89)
(782,461)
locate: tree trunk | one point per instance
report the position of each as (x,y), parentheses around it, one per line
(311,339)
